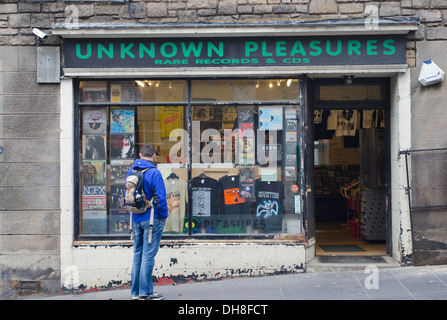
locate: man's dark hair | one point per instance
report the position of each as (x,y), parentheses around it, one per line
(147,150)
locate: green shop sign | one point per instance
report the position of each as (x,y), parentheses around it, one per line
(234,52)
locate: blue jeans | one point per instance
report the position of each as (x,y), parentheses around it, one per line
(144,256)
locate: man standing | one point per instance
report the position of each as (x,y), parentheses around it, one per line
(145,252)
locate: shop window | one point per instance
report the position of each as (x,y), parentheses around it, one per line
(245,90)
(245,170)
(244,161)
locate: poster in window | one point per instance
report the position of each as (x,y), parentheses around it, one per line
(290,113)
(291,136)
(246,130)
(246,175)
(117,196)
(229,113)
(94,147)
(94,222)
(93,197)
(122,120)
(245,115)
(115,93)
(291,160)
(247,191)
(246,159)
(122,146)
(94,91)
(201,113)
(119,222)
(290,173)
(270,118)
(119,169)
(93,172)
(94,121)
(291,125)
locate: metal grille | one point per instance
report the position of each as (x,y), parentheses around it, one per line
(350,93)
(428,204)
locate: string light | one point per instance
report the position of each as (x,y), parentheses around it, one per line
(140,83)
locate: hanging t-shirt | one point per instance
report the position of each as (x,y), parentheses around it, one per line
(269,205)
(170,119)
(176,195)
(204,196)
(347,123)
(232,202)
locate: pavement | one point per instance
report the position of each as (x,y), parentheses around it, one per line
(363,282)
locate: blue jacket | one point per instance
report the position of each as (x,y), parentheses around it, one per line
(152,179)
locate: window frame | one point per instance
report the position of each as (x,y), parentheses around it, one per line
(188,104)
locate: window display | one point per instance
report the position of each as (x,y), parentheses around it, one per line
(242,158)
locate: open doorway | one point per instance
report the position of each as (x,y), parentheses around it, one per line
(351,171)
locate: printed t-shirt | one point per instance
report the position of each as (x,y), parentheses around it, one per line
(176,195)
(269,205)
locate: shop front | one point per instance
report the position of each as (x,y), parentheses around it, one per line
(233,120)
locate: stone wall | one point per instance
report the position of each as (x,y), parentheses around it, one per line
(29,175)
(29,112)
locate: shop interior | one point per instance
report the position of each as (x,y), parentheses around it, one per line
(349,173)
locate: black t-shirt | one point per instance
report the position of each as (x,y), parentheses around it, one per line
(231,201)
(204,196)
(269,205)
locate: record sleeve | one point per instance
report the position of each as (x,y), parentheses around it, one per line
(94,222)
(122,120)
(94,121)
(119,222)
(94,147)
(94,172)
(93,197)
(122,146)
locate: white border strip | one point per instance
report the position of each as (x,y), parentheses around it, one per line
(234,72)
(108,31)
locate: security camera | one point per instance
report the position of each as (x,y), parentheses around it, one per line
(39,33)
